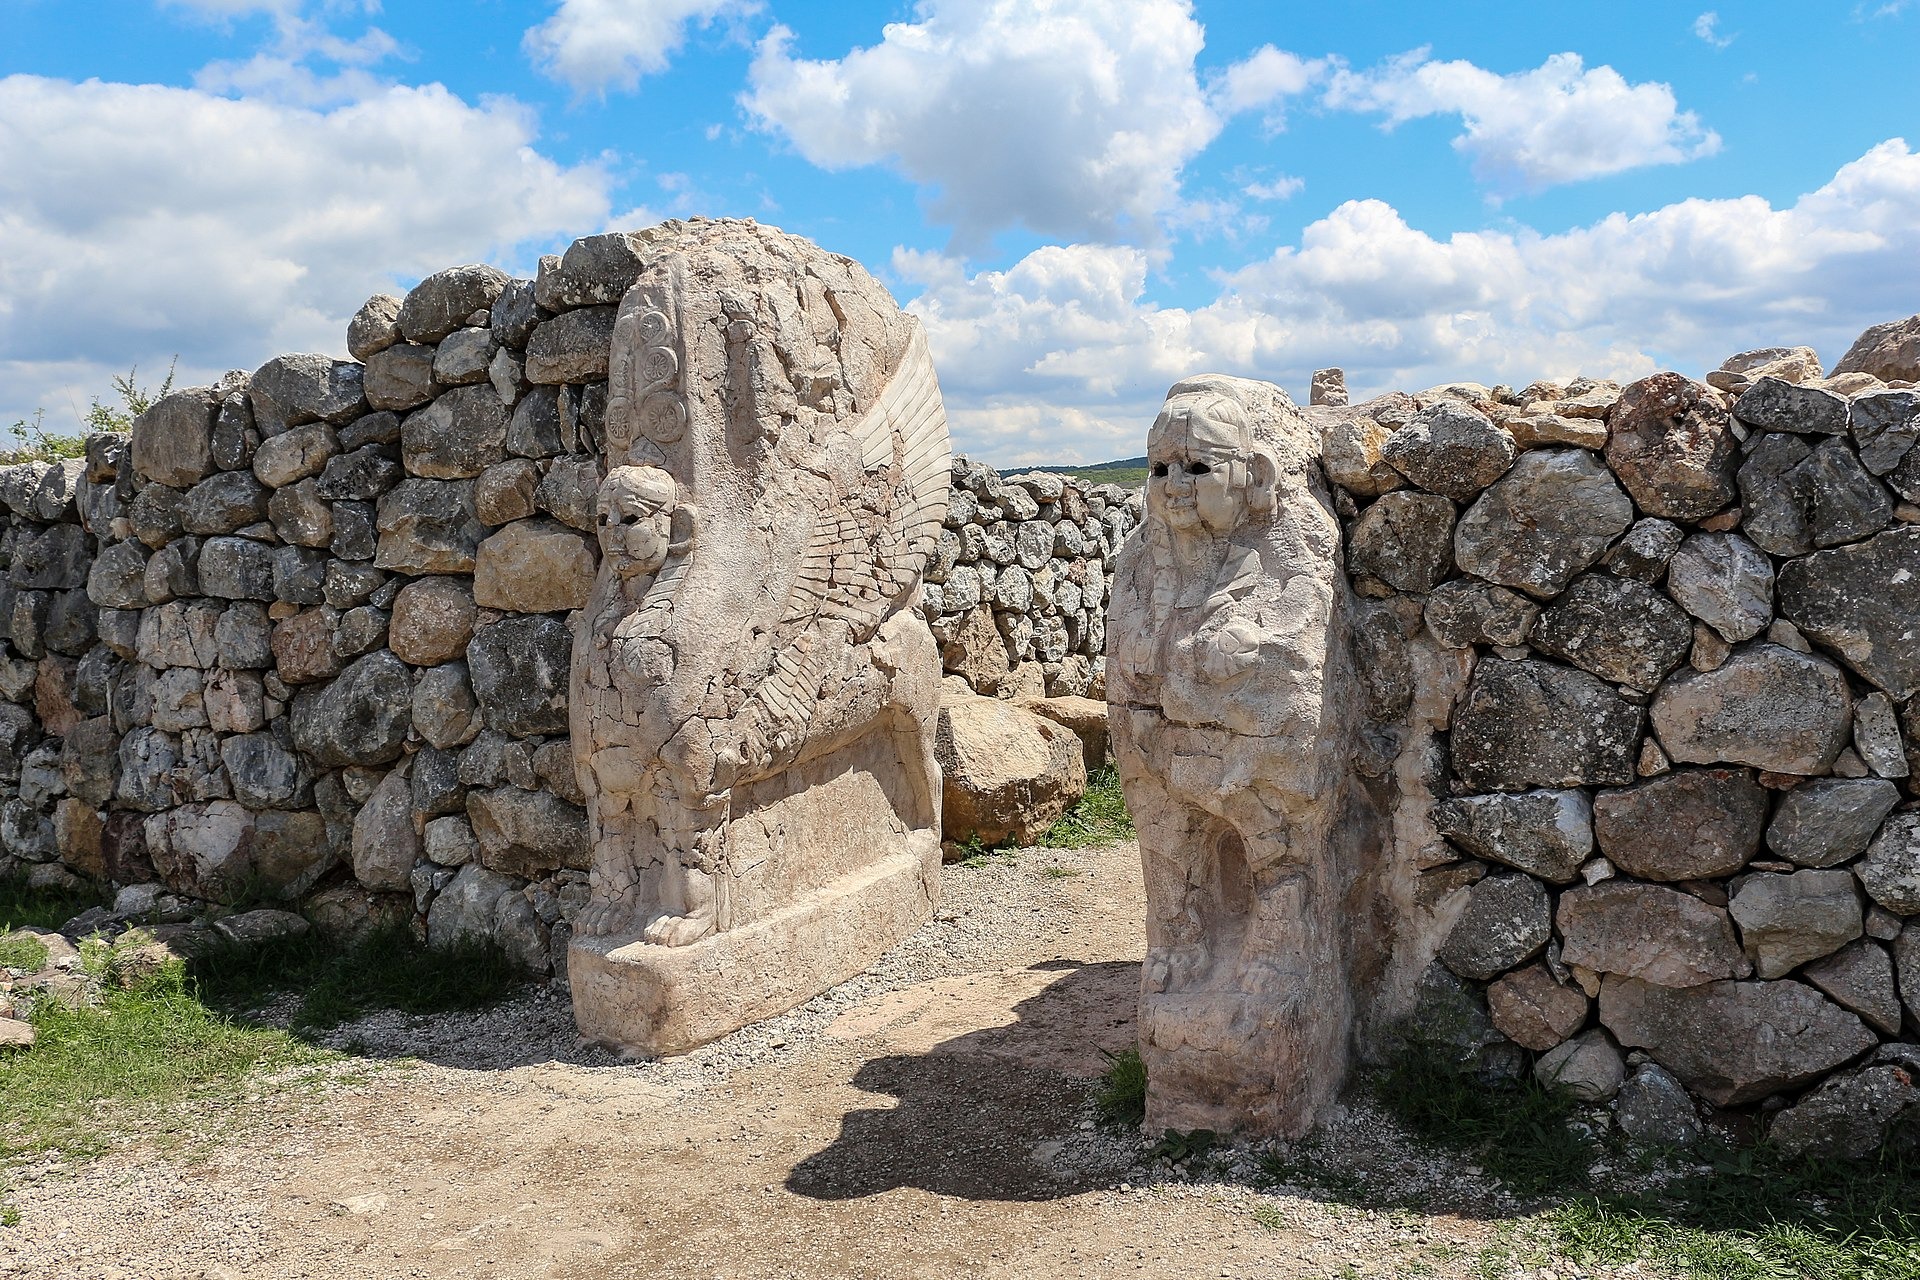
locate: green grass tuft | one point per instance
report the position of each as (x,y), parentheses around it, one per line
(151,1043)
(22,951)
(387,968)
(1121,1096)
(1101,817)
(21,906)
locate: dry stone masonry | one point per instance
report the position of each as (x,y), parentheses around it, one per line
(1640,726)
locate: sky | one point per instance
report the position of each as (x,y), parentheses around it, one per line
(1083,200)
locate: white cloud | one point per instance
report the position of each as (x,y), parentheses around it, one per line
(137,221)
(1063,357)
(1266,78)
(1707,27)
(594,44)
(1284,187)
(1068,117)
(1561,122)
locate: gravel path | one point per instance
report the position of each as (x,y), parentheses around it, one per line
(930,1118)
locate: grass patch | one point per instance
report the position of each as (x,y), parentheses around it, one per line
(21,906)
(1100,817)
(1516,1130)
(1756,1214)
(152,1043)
(1121,1096)
(23,951)
(386,968)
(1060,873)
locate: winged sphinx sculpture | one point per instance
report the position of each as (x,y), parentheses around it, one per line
(753,697)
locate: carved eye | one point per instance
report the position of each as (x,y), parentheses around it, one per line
(1198,469)
(1159,468)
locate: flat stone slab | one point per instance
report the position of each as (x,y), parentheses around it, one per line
(658,1000)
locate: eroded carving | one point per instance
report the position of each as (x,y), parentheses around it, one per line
(1230,704)
(753,698)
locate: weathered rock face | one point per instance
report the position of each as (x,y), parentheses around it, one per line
(1589,1067)
(1534,724)
(1007,774)
(1545,833)
(1692,825)
(1551,516)
(1768,707)
(1405,540)
(1828,821)
(1863,603)
(1890,352)
(1787,920)
(1618,629)
(1648,932)
(1507,921)
(1734,1042)
(1725,581)
(1891,869)
(1463,612)
(1671,443)
(1450,449)
(519,672)
(1536,1011)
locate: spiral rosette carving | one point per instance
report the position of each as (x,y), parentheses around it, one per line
(646,399)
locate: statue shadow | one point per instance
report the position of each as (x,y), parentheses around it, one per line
(983,1115)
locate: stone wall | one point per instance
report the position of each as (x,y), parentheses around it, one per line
(1642,665)
(1017,591)
(303,638)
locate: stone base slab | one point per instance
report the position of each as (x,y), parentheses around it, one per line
(643,998)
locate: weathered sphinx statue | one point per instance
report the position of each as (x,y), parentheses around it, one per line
(753,699)
(1230,698)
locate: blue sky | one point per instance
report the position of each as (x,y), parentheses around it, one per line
(1084,199)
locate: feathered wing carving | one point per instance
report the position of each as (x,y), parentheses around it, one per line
(866,548)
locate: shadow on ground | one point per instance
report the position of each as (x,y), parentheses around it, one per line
(976,1113)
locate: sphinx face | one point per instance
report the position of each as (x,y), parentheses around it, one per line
(1197,475)
(635,519)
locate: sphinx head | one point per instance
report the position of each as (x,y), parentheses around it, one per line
(635,519)
(1207,470)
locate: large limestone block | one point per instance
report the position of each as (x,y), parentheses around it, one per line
(1536,1011)
(1863,603)
(386,843)
(527,833)
(1548,518)
(1451,449)
(1649,932)
(1827,821)
(460,434)
(1734,1042)
(433,618)
(534,566)
(1086,718)
(1891,869)
(1507,921)
(1726,582)
(1671,443)
(1859,976)
(1768,707)
(519,672)
(752,698)
(1545,833)
(1534,724)
(1787,920)
(1405,540)
(1695,824)
(1890,352)
(1620,630)
(173,440)
(1849,1116)
(1007,773)
(428,526)
(361,717)
(298,389)
(442,302)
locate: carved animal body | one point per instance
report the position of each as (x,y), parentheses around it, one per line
(1229,701)
(771,652)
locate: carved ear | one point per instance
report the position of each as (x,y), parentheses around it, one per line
(686,525)
(1263,481)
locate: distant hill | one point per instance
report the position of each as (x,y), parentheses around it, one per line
(1129,473)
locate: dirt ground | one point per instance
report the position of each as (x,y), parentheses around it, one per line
(931,1118)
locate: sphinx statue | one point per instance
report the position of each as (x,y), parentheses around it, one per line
(753,699)
(1229,692)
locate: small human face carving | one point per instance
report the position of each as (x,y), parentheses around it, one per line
(1196,477)
(635,519)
